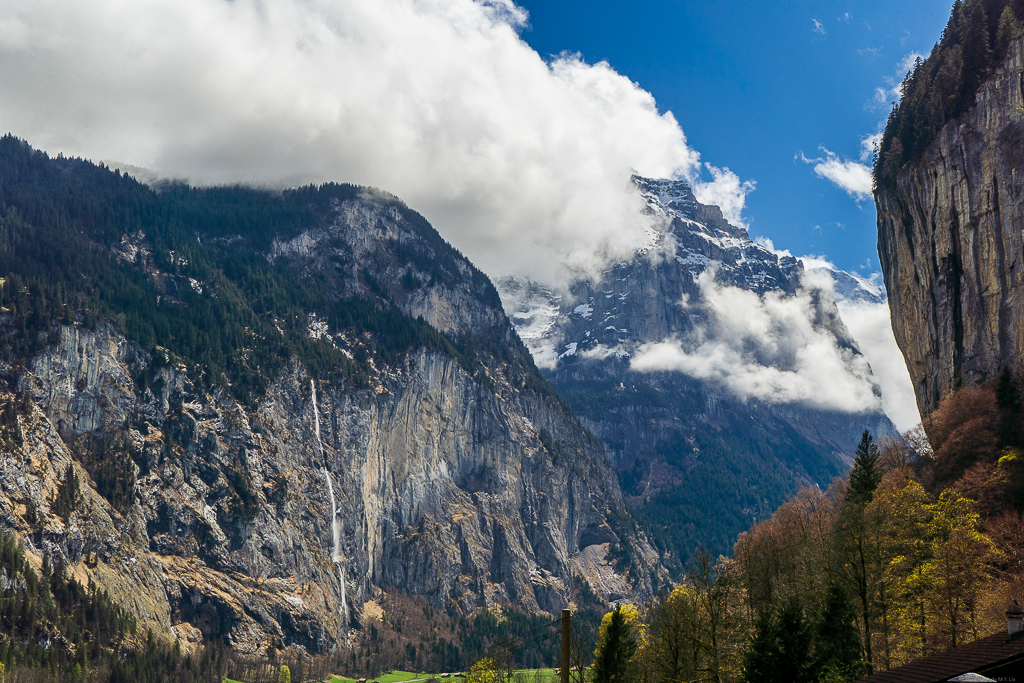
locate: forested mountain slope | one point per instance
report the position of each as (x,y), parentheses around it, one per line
(245,413)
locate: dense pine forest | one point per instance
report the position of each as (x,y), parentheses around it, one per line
(938,89)
(69,248)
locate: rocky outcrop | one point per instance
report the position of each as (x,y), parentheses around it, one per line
(951,245)
(457,477)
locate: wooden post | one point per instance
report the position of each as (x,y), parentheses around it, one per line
(566,629)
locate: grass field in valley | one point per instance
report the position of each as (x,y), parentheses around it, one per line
(526,675)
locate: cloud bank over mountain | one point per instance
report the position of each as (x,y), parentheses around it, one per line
(870,325)
(767,348)
(864,309)
(522,163)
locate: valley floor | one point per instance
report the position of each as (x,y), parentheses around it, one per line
(526,675)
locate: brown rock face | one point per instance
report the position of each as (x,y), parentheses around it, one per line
(951,244)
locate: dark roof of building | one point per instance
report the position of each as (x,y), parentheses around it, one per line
(982,654)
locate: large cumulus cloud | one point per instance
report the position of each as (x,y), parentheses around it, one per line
(522,163)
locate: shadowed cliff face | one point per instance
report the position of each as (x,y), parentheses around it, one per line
(951,248)
(456,472)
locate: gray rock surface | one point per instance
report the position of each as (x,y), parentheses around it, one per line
(951,245)
(444,487)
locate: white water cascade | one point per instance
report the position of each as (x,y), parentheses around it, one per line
(335,522)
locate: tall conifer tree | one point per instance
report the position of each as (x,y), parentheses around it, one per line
(780,650)
(759,660)
(615,650)
(866,473)
(837,644)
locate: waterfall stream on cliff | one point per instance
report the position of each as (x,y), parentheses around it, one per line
(335,522)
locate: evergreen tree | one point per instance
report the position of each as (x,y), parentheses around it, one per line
(1009,29)
(68,494)
(836,643)
(855,538)
(891,159)
(615,649)
(794,637)
(974,37)
(866,473)
(780,650)
(759,660)
(1010,413)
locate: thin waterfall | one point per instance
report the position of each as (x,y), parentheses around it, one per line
(336,550)
(336,525)
(335,521)
(316,421)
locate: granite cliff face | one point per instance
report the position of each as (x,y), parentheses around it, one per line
(702,462)
(951,245)
(454,470)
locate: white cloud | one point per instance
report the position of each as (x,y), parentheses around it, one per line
(818,27)
(810,262)
(768,244)
(852,176)
(766,348)
(726,191)
(602,352)
(868,146)
(907,63)
(870,325)
(523,164)
(867,322)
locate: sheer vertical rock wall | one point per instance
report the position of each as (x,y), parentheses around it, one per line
(951,244)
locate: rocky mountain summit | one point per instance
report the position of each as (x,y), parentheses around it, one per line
(245,414)
(700,459)
(950,243)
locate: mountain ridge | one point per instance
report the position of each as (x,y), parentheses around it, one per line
(206,364)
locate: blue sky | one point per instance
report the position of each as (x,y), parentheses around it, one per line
(753,84)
